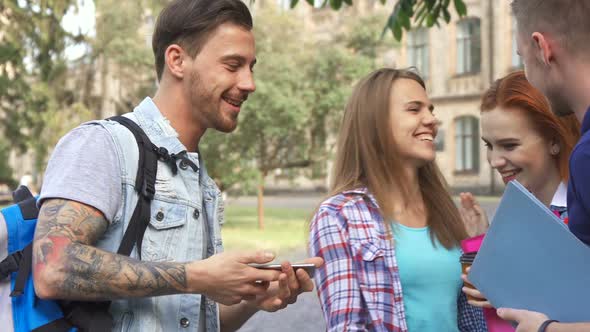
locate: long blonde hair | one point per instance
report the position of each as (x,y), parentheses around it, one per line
(367,156)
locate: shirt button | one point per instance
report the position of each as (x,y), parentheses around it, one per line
(196,214)
(159,216)
(183,164)
(184,322)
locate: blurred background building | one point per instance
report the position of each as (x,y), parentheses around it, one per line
(458,61)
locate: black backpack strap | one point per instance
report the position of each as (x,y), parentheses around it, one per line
(89,316)
(24,269)
(20,194)
(58,325)
(10,264)
(26,202)
(145,185)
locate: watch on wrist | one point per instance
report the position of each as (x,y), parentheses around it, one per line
(546,323)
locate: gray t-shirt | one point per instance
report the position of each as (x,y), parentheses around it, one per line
(84,167)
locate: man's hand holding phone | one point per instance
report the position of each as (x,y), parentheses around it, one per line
(293,280)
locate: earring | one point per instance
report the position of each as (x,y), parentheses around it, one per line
(554,150)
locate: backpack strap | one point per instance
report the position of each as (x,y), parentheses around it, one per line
(24,269)
(58,325)
(145,185)
(10,264)
(20,194)
(26,202)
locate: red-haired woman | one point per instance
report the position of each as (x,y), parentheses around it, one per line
(527,142)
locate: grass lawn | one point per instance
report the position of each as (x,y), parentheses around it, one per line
(286,229)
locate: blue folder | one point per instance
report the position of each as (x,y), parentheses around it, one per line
(530,260)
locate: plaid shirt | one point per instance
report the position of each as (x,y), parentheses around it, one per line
(359,285)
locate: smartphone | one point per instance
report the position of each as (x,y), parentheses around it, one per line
(308,267)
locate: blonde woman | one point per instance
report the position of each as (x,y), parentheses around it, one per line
(390,232)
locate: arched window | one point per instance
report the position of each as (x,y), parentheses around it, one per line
(467,144)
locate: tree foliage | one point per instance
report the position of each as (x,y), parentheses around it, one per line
(36,101)
(422,12)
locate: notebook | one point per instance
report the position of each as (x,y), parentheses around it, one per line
(530,260)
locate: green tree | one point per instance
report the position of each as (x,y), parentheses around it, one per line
(332,70)
(272,131)
(121,50)
(422,12)
(34,86)
(5,169)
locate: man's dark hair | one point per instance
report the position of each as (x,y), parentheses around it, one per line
(189,23)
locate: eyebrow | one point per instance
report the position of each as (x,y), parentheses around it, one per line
(421,104)
(238,58)
(502,140)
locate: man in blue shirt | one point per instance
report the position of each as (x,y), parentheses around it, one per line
(554,42)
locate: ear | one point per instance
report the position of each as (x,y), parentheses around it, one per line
(175,58)
(543,49)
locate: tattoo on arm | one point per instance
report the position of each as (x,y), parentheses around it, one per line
(64,238)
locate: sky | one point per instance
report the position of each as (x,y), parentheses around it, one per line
(80,19)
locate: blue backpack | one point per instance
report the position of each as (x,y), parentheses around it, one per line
(30,313)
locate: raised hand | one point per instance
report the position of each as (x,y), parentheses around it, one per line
(474,217)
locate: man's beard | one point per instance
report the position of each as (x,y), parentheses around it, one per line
(205,108)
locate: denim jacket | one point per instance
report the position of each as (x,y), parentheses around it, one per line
(186,215)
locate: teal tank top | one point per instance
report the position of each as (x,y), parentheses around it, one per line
(430,278)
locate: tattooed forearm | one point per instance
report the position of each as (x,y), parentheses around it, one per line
(63,253)
(95,274)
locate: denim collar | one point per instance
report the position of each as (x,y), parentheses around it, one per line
(157,127)
(161,132)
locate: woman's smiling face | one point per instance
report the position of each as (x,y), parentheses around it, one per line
(516,149)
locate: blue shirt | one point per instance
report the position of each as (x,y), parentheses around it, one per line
(578,193)
(430,277)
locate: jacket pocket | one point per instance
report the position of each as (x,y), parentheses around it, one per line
(163,237)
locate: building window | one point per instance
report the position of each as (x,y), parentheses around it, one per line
(439,140)
(516,59)
(468,46)
(467,144)
(418,51)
